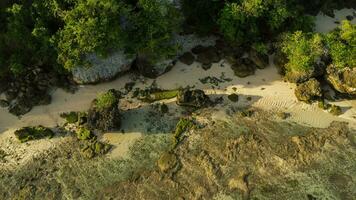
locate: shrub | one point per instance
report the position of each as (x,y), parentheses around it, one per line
(91,27)
(302,50)
(248,21)
(152,29)
(84,134)
(106,100)
(342,45)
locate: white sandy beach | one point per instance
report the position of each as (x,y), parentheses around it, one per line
(266,87)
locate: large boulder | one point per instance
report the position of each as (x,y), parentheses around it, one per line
(342,79)
(104,113)
(243,67)
(208,55)
(193,98)
(102,69)
(308,91)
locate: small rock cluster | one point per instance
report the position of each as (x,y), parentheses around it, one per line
(193,98)
(32,89)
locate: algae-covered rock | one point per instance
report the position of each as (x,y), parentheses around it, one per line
(193,98)
(104,113)
(93,148)
(167,161)
(182,126)
(33,133)
(308,91)
(243,67)
(342,79)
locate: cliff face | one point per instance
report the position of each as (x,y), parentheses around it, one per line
(242,155)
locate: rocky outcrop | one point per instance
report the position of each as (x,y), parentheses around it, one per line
(102,69)
(308,91)
(343,80)
(104,113)
(32,88)
(187,58)
(193,98)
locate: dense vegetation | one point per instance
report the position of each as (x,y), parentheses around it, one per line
(59,34)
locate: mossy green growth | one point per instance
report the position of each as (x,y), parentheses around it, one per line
(106,100)
(95,148)
(182,126)
(84,134)
(335,110)
(32,133)
(71,117)
(160,95)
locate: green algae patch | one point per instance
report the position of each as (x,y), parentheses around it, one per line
(71,117)
(84,134)
(159,95)
(106,100)
(33,133)
(182,126)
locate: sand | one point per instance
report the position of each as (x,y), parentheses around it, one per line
(266,88)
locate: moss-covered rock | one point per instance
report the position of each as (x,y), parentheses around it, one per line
(33,133)
(182,126)
(308,91)
(104,113)
(193,98)
(93,148)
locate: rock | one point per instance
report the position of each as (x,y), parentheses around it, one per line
(308,91)
(45,100)
(187,58)
(33,133)
(104,113)
(4,103)
(102,69)
(349,17)
(233,97)
(206,66)
(279,60)
(261,60)
(20,108)
(283,115)
(193,98)
(167,161)
(149,70)
(243,67)
(342,79)
(335,110)
(208,55)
